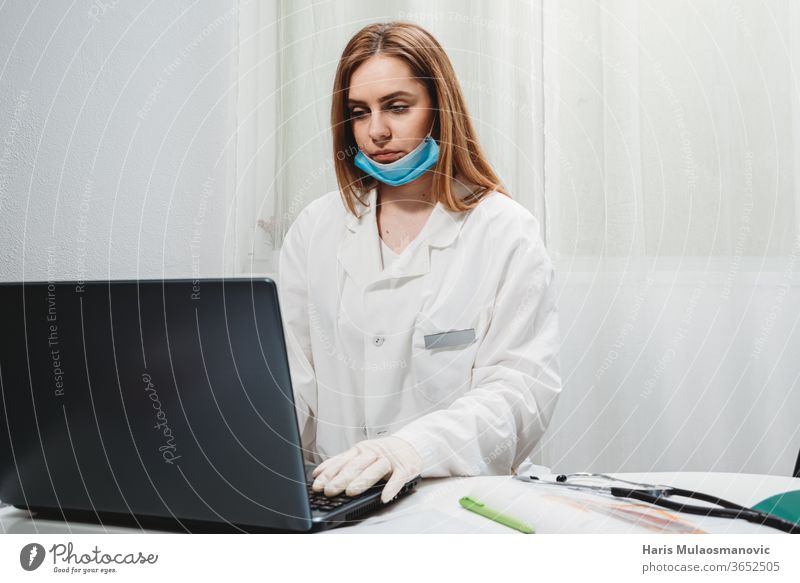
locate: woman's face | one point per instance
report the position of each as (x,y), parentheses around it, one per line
(390,111)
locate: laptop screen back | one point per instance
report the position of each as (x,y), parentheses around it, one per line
(155,398)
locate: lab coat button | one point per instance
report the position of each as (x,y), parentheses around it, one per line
(378,340)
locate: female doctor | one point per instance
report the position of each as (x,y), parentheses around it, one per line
(417,299)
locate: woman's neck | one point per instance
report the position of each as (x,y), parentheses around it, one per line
(412,195)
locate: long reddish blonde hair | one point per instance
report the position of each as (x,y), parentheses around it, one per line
(459,151)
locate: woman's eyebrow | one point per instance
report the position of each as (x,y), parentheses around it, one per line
(382,99)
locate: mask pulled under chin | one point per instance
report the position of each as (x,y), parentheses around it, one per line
(406,169)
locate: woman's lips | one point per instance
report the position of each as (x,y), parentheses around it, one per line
(390,157)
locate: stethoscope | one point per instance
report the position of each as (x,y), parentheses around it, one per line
(659,495)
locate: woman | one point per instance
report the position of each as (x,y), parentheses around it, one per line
(420,316)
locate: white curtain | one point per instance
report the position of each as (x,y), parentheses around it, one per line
(672,187)
(257,126)
(657,143)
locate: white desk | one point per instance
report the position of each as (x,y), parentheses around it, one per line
(434,507)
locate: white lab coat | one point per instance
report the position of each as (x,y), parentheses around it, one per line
(355,334)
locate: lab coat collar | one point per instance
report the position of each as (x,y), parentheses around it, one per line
(360,253)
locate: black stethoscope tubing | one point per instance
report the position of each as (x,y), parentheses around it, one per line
(659,496)
(728,509)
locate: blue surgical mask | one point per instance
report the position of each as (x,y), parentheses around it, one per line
(404,170)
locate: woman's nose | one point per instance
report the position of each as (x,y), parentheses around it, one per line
(378,129)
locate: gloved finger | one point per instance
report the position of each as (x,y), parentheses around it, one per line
(394,485)
(332,467)
(371,474)
(327,463)
(316,471)
(348,473)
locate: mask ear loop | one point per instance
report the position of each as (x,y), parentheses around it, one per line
(430,131)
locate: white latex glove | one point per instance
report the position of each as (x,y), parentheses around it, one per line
(366,463)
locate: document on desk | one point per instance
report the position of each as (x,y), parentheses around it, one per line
(558,509)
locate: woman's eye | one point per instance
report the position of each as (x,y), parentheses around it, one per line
(357,113)
(399,108)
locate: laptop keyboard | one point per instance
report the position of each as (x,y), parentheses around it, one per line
(319,501)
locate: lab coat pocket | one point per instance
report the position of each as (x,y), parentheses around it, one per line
(444,350)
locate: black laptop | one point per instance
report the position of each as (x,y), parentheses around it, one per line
(156,404)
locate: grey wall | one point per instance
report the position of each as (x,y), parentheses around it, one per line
(114,153)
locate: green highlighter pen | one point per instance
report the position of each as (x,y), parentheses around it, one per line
(480,508)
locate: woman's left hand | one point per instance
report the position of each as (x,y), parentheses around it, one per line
(364,464)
